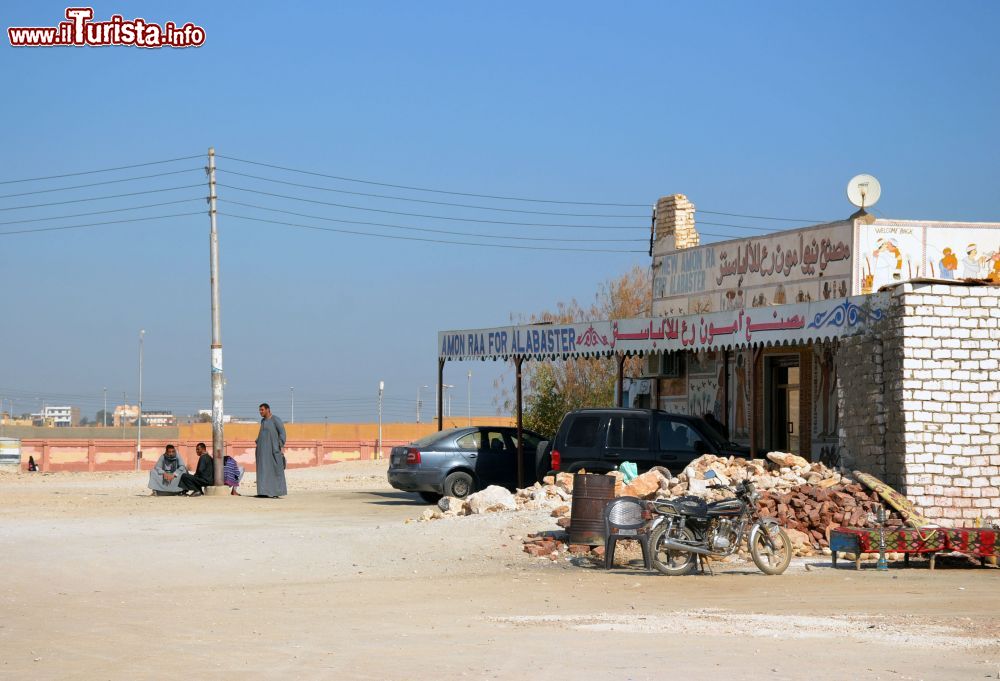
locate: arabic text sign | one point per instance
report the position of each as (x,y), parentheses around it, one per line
(734,328)
(797,266)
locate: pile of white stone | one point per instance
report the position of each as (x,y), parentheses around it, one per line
(780,472)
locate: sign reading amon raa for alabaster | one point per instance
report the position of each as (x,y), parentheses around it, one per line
(796,266)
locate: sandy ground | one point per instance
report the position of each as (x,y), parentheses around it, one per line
(100,581)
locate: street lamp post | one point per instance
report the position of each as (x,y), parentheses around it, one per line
(292,420)
(378,451)
(138,445)
(468,398)
(420,400)
(446,407)
(105,419)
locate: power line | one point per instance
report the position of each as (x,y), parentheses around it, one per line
(98,224)
(102,170)
(434,241)
(102,198)
(95,184)
(436,203)
(760,217)
(102,212)
(420,229)
(422,215)
(436,191)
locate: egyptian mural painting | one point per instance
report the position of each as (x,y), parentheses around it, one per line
(739,396)
(890,252)
(705,383)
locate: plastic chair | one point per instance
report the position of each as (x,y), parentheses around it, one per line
(623,520)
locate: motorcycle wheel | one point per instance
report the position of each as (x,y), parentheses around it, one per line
(771,551)
(669,561)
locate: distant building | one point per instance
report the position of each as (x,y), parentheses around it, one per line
(226,418)
(59,417)
(126,414)
(159,418)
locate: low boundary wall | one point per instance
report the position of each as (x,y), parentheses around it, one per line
(119,455)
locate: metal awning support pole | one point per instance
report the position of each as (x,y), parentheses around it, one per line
(754,356)
(440,390)
(620,401)
(725,392)
(518,361)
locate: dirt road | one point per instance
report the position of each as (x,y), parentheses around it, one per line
(100,581)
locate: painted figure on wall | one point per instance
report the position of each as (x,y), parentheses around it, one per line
(948,264)
(779,295)
(970,263)
(888,261)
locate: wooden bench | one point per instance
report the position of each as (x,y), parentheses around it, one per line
(972,541)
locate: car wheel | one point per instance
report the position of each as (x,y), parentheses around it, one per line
(430,497)
(459,485)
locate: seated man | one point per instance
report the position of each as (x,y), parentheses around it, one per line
(204,474)
(165,478)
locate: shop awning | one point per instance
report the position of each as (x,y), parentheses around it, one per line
(751,327)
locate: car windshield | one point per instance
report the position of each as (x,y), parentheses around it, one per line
(433,438)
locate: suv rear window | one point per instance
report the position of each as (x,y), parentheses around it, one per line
(583,432)
(629,432)
(675,435)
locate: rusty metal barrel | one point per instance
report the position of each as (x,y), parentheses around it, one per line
(590,495)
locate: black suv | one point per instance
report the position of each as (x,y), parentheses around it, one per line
(600,439)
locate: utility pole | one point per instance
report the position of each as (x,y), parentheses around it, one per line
(292,420)
(124,404)
(468,398)
(105,419)
(378,451)
(138,445)
(218,442)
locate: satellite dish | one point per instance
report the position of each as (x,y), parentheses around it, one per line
(863,191)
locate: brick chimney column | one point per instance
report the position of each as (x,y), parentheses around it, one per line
(675,228)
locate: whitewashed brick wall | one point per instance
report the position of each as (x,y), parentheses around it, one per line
(942,380)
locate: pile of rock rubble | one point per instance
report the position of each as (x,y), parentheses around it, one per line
(806,498)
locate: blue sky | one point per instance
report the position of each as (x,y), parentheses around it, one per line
(763,109)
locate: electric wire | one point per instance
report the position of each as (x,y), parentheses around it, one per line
(761,217)
(420,229)
(102,212)
(436,241)
(436,203)
(422,215)
(102,198)
(97,224)
(102,170)
(96,184)
(436,191)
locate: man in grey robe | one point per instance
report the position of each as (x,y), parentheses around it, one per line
(165,478)
(269,455)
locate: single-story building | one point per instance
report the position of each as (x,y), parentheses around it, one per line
(863,343)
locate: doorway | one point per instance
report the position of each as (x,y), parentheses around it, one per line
(783,432)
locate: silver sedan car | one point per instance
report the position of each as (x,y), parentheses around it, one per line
(460,461)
